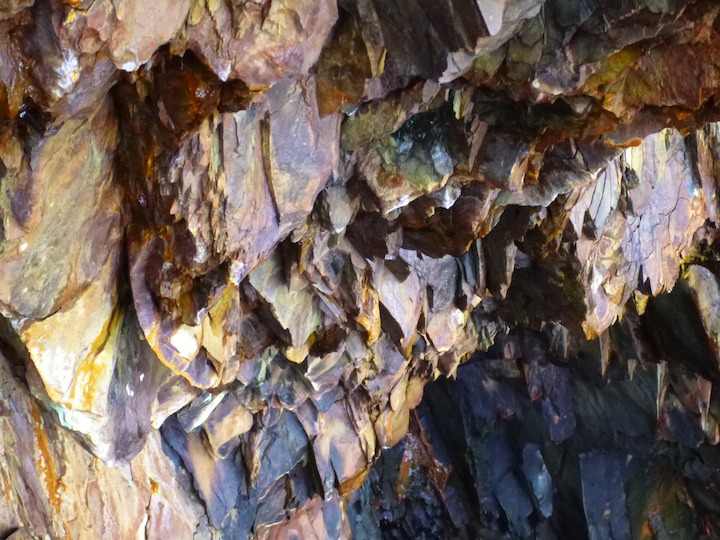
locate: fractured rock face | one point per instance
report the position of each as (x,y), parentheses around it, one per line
(48,480)
(249,179)
(53,251)
(637,222)
(259,42)
(240,239)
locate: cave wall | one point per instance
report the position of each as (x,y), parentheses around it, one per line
(312,269)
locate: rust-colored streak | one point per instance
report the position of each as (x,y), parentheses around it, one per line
(46,464)
(90,370)
(7,492)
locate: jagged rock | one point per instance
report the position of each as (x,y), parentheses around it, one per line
(52,251)
(228,206)
(102,381)
(649,203)
(53,487)
(389,269)
(261,42)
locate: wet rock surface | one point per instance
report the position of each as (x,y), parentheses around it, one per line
(280,269)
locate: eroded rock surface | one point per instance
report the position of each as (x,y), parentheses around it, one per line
(239,239)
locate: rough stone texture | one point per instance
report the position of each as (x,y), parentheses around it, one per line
(239,238)
(258,42)
(52,487)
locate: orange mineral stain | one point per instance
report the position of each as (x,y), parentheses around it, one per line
(7,492)
(45,462)
(91,369)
